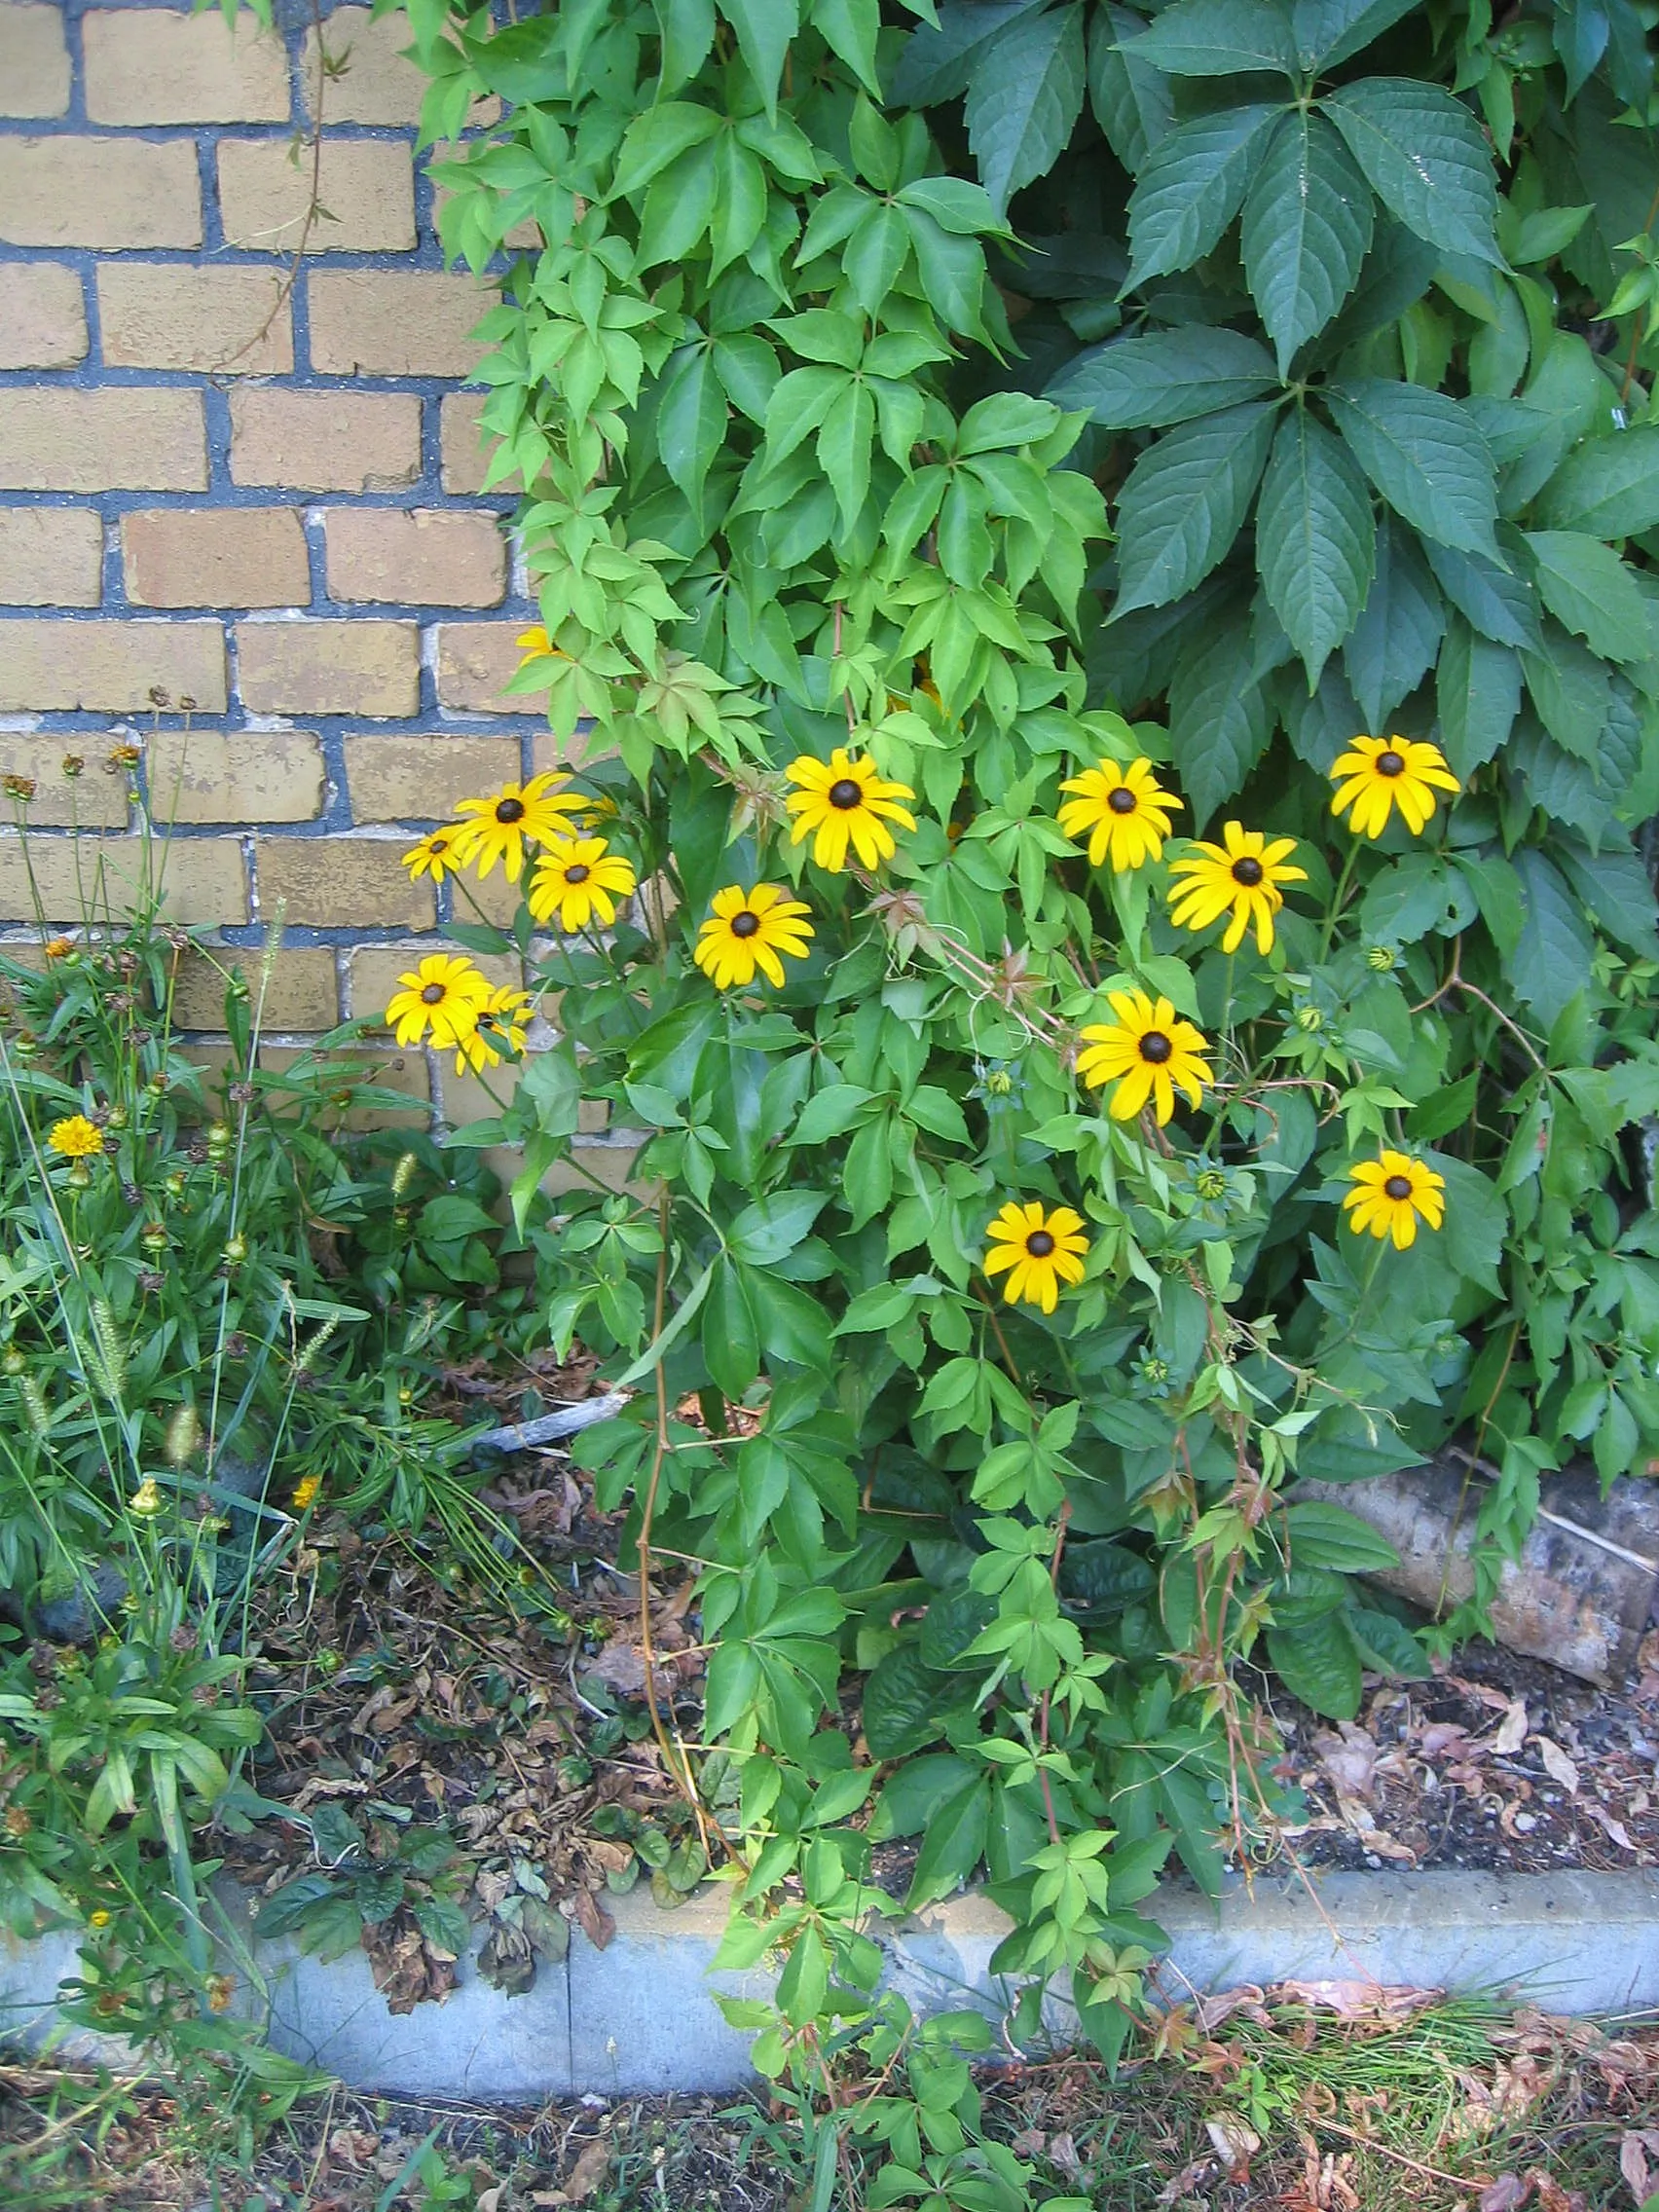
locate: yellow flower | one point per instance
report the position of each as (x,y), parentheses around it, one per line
(305,1492)
(438,855)
(76,1138)
(577,880)
(59,947)
(1039,1250)
(445,994)
(535,640)
(1378,774)
(146,1499)
(844,800)
(1388,1195)
(1149,1053)
(748,930)
(1240,876)
(1126,811)
(518,813)
(98,1919)
(499,1030)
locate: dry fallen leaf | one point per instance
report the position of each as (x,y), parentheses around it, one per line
(1511,1730)
(1505,2194)
(589,2170)
(1234,2139)
(1615,1827)
(597,1924)
(1640,2176)
(1556,1765)
(1349,1759)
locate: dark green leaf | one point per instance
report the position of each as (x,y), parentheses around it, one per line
(444,1925)
(1328,32)
(1133,101)
(1098,1580)
(1617,890)
(1551,964)
(1427,158)
(1572,691)
(1476,689)
(904,1703)
(1494,600)
(1193,185)
(1168,376)
(692,419)
(1588,588)
(1315,538)
(1025,96)
(953,1846)
(731,1344)
(952,1623)
(1218,38)
(1608,488)
(1318,1535)
(936,62)
(771,1227)
(1219,718)
(1424,456)
(1394,642)
(1306,231)
(1184,501)
(1318,1661)
(1388,1646)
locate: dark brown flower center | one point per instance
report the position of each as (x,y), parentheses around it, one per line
(1398,1187)
(1155,1048)
(434,994)
(1390,763)
(844,795)
(1249,872)
(577,872)
(1122,801)
(509,810)
(744,923)
(1039,1243)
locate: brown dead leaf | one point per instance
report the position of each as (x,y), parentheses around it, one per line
(1633,2154)
(1552,2197)
(597,1924)
(1505,2194)
(1349,1759)
(353,2146)
(1236,2142)
(1209,2011)
(407,1970)
(1615,1827)
(1511,1731)
(1440,1737)
(1556,1765)
(586,2176)
(1359,2001)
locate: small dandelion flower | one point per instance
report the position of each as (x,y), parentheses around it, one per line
(1124,812)
(501,1029)
(1378,774)
(748,930)
(20,788)
(443,996)
(1038,1252)
(72,765)
(436,855)
(577,880)
(75,1138)
(1391,1193)
(125,756)
(98,1919)
(1241,877)
(1149,1053)
(305,1492)
(146,1499)
(60,948)
(844,801)
(536,813)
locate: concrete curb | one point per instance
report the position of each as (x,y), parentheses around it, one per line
(640,2016)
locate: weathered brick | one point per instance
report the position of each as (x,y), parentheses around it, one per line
(374,972)
(43,316)
(342,883)
(421,779)
(51,557)
(215,557)
(563,756)
(49,667)
(34,62)
(365,195)
(329,667)
(219,321)
(474,660)
(381,323)
(325,441)
(204,879)
(464,450)
(243,776)
(90,799)
(611,1165)
(436,557)
(159,66)
(105,193)
(367,81)
(301,991)
(122,439)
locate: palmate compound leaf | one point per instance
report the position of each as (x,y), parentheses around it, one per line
(1024,97)
(1185,501)
(1393,645)
(1315,538)
(1133,102)
(1423,455)
(1427,158)
(1220,719)
(1166,377)
(1307,228)
(1193,185)
(1218,38)
(1609,487)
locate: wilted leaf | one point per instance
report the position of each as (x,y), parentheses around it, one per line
(1556,1765)
(1511,1730)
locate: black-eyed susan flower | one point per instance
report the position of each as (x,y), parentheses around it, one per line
(436,855)
(1243,876)
(1124,812)
(537,813)
(75,1138)
(844,801)
(1036,1251)
(746,930)
(1391,1193)
(1148,1052)
(1378,774)
(577,880)
(442,997)
(498,1030)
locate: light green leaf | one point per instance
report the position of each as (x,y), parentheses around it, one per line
(658,137)
(1590,591)
(1307,230)
(765,29)
(1023,99)
(843,448)
(1427,158)
(1315,538)
(1168,376)
(1423,455)
(850,28)
(692,419)
(1218,38)
(1193,185)
(1184,501)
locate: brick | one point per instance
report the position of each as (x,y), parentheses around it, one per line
(204,879)
(43,316)
(465,1099)
(373,971)
(342,883)
(365,195)
(218,321)
(106,193)
(122,439)
(474,660)
(157,65)
(300,992)
(421,558)
(463,449)
(93,799)
(368,80)
(381,323)
(210,775)
(34,62)
(50,667)
(51,557)
(215,557)
(611,1165)
(329,667)
(421,779)
(387,1070)
(325,441)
